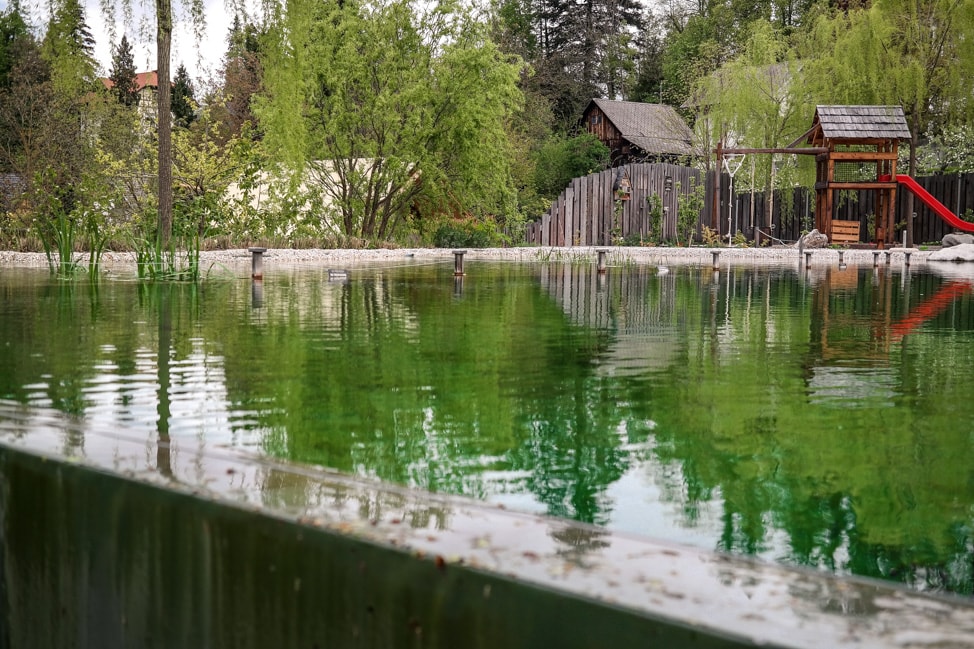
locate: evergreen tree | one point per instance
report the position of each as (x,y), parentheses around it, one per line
(26,95)
(183,101)
(123,75)
(242,76)
(590,35)
(648,85)
(69,48)
(578,49)
(14,35)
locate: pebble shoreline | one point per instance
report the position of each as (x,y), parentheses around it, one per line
(317,257)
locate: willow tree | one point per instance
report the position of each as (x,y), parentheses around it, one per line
(377,104)
(756,100)
(193,9)
(916,54)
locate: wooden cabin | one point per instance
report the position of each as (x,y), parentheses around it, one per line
(862,145)
(638,132)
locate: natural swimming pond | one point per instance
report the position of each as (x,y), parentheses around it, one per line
(817,418)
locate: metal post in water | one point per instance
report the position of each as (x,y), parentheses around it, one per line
(716,254)
(458,262)
(888,255)
(841,254)
(257,262)
(808,258)
(600,265)
(875,259)
(908,253)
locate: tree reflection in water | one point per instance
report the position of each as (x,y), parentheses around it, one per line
(771,412)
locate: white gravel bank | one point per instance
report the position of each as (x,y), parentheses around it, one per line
(117,261)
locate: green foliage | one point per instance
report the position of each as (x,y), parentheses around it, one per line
(633,239)
(383,105)
(14,33)
(562,158)
(950,151)
(690,55)
(69,48)
(711,237)
(183,101)
(688,211)
(759,99)
(467,233)
(241,77)
(56,230)
(123,73)
(899,52)
(178,259)
(655,213)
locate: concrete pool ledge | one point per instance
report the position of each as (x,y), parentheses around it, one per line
(109,540)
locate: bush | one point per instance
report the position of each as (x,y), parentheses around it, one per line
(467,233)
(561,158)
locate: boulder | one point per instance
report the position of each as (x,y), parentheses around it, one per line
(813,239)
(954,239)
(960,252)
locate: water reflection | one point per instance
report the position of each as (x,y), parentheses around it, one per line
(817,417)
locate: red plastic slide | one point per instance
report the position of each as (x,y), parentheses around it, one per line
(934,204)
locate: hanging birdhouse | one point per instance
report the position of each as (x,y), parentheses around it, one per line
(622,186)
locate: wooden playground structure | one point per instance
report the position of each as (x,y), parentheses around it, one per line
(855,148)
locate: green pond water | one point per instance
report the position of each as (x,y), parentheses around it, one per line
(820,418)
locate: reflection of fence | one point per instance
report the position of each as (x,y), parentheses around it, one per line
(587,213)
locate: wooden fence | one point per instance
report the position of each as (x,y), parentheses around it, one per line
(586,212)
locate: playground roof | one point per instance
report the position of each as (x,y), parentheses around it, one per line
(654,128)
(860,122)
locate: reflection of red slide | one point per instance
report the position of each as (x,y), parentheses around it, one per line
(932,306)
(934,204)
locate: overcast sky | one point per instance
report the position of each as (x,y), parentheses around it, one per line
(201,59)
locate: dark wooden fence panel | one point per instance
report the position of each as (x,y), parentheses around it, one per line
(793,211)
(587,213)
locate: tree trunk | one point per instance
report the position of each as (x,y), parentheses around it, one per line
(163,46)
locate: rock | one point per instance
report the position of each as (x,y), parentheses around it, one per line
(954,239)
(813,239)
(961,252)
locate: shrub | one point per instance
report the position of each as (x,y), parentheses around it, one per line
(467,232)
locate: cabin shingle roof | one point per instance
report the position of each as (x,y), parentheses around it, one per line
(862,122)
(654,128)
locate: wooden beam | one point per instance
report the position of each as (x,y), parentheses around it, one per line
(804,136)
(865,156)
(859,185)
(805,151)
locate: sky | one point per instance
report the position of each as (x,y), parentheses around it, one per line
(202,59)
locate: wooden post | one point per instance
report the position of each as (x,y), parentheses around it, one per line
(458,262)
(715,208)
(257,262)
